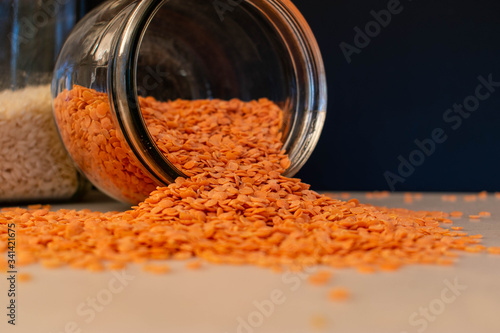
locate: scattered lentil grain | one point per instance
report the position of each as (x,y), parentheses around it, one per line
(24,277)
(418,196)
(194,265)
(156,269)
(494,249)
(338,294)
(234,207)
(320,278)
(366,269)
(318,322)
(449,198)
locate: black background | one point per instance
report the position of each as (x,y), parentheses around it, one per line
(397,90)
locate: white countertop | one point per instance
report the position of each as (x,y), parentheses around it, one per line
(240,298)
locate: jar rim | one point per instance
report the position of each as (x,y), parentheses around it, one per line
(124,98)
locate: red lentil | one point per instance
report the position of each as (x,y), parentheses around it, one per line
(483,195)
(366,269)
(235,206)
(418,196)
(449,198)
(494,249)
(24,277)
(156,269)
(320,278)
(193,265)
(475,248)
(338,294)
(408,197)
(318,322)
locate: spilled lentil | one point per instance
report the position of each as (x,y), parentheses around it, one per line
(234,207)
(320,278)
(338,294)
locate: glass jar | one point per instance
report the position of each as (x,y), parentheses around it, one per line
(187,49)
(34,166)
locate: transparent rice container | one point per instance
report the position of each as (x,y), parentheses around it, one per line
(34,165)
(180,49)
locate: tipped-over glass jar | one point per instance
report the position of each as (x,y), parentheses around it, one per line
(180,49)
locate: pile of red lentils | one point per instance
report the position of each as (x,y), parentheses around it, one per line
(234,207)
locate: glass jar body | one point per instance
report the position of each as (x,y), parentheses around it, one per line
(34,166)
(190,49)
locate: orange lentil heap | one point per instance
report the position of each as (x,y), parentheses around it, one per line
(235,206)
(97,147)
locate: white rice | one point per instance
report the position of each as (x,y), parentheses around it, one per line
(33,162)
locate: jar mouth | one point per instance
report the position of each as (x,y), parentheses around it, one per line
(296,78)
(124,98)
